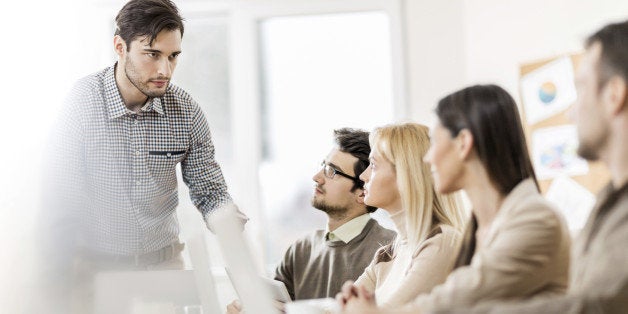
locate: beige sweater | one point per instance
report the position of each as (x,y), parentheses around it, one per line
(412,271)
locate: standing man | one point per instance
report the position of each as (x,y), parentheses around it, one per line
(115,152)
(317,265)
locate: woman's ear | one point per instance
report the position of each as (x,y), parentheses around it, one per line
(464,143)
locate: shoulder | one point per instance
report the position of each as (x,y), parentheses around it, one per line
(380,232)
(97,78)
(89,85)
(176,98)
(451,237)
(85,95)
(309,240)
(526,204)
(534,208)
(619,215)
(533,222)
(444,238)
(302,247)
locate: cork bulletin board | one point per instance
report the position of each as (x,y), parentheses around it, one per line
(597,175)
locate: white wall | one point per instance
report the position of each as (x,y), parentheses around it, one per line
(503,34)
(435,53)
(454,43)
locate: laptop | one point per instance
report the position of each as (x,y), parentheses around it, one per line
(256,292)
(277,288)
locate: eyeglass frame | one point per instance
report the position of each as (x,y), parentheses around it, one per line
(336,171)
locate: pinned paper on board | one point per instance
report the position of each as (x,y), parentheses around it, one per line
(548,90)
(554,152)
(572,199)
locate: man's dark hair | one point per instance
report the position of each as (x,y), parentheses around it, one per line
(492,117)
(356,143)
(147,18)
(614,57)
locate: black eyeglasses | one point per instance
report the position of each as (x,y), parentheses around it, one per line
(329,171)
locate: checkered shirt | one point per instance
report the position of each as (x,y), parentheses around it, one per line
(122,165)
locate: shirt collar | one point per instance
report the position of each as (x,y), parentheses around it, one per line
(156,104)
(348,230)
(115,103)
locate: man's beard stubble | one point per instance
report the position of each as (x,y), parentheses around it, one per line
(587,153)
(590,149)
(337,212)
(141,86)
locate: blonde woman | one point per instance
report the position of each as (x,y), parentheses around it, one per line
(429,224)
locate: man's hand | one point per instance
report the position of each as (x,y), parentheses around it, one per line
(229,211)
(235,307)
(242,218)
(280,306)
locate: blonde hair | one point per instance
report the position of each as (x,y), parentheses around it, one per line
(404,146)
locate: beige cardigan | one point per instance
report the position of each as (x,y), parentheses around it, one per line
(526,254)
(412,271)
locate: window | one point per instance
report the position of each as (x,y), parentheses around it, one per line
(319,73)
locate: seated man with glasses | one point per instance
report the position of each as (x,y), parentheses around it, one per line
(317,265)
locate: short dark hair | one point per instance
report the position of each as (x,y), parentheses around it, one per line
(614,57)
(356,143)
(492,117)
(147,18)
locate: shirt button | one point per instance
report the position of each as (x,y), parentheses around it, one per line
(137,152)
(138,182)
(168,154)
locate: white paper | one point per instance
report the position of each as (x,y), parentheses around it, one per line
(548,90)
(572,199)
(554,152)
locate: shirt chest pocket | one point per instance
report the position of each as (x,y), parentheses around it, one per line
(162,163)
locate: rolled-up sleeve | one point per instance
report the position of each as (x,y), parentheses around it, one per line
(200,171)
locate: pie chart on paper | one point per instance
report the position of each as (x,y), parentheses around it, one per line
(547,92)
